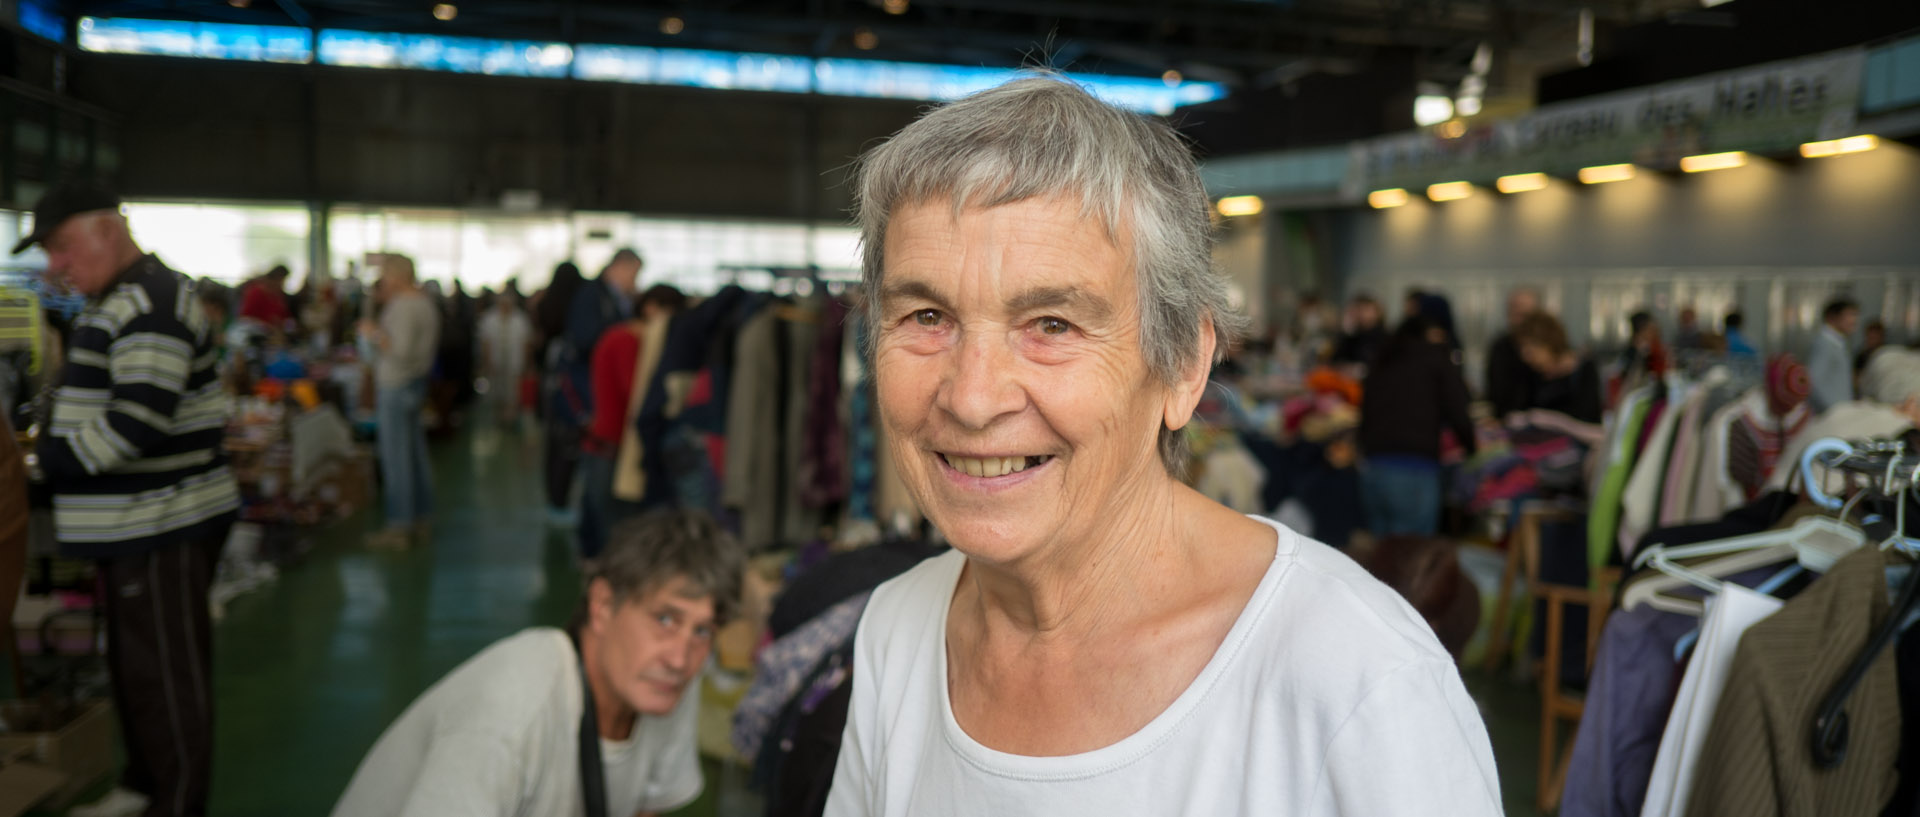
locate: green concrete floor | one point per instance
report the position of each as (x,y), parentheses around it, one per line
(310,669)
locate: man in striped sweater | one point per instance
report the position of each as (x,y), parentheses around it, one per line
(132,454)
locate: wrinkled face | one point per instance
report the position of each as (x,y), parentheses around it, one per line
(1010,378)
(81,253)
(650,648)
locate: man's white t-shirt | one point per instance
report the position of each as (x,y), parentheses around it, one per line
(500,737)
(1329,696)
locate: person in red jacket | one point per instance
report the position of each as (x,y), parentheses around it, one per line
(620,368)
(265,299)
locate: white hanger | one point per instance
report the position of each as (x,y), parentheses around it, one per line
(1816,542)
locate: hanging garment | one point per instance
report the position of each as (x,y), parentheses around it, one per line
(1628,698)
(783,666)
(1603,518)
(752,481)
(823,450)
(1714,493)
(1683,463)
(629,478)
(1729,614)
(800,521)
(1754,444)
(1906,800)
(1757,759)
(862,433)
(1639,503)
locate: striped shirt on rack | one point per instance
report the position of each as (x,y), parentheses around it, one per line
(133,452)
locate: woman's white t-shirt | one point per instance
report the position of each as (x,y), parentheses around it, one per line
(1329,696)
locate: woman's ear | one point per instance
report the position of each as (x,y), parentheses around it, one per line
(1185,394)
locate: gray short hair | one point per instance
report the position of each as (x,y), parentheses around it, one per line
(649,551)
(1044,136)
(1892,376)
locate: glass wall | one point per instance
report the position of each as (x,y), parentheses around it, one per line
(486,249)
(226,242)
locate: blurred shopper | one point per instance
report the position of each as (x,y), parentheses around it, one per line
(1437,311)
(320,313)
(623,364)
(1830,360)
(1645,357)
(1887,407)
(550,318)
(1510,382)
(506,341)
(264,299)
(601,718)
(1412,394)
(562,441)
(1365,334)
(1687,336)
(1738,347)
(405,335)
(133,456)
(597,306)
(1565,381)
(1871,339)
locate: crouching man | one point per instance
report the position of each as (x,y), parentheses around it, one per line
(598,722)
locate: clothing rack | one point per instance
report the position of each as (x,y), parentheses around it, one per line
(1891,469)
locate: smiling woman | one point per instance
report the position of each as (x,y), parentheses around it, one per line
(1103,640)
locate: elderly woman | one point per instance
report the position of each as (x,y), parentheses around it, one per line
(1103,640)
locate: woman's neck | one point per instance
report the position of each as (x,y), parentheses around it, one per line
(1112,573)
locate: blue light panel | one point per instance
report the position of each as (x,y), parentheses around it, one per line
(861,78)
(39,17)
(429,52)
(723,70)
(216,41)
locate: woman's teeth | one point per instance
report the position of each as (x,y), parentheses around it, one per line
(990,467)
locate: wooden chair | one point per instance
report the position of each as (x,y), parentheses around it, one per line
(1556,705)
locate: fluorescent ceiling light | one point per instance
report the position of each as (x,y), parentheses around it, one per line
(1836,147)
(1383,199)
(1241,206)
(1602,174)
(1714,161)
(1521,182)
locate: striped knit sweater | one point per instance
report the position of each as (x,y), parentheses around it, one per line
(133,455)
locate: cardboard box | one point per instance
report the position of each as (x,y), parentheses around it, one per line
(81,748)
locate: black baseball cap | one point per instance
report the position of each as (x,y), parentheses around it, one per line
(63,202)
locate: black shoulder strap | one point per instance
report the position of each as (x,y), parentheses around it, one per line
(593,783)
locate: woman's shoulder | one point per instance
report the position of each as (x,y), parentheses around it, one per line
(1328,611)
(918,598)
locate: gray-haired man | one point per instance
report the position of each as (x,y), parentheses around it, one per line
(517,729)
(134,459)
